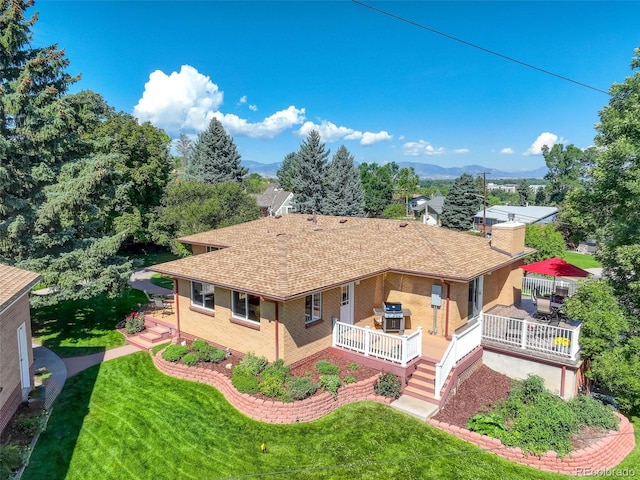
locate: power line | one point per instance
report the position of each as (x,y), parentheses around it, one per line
(473,45)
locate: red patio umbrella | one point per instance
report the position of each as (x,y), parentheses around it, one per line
(555,266)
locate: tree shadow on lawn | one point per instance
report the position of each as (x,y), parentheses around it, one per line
(82,327)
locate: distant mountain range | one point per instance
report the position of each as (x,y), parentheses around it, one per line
(424,170)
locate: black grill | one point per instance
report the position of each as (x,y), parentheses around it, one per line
(392,310)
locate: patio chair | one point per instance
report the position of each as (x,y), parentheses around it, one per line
(149,297)
(544,310)
(562,291)
(164,307)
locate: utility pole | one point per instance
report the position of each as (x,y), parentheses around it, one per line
(484,204)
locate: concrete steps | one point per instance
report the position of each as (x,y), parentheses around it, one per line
(150,336)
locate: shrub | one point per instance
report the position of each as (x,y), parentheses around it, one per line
(173,353)
(244,381)
(388,385)
(353,366)
(199,345)
(134,322)
(529,390)
(10,460)
(273,387)
(327,368)
(301,387)
(212,354)
(253,364)
(349,379)
(157,348)
(593,413)
(331,383)
(28,426)
(191,359)
(491,424)
(276,370)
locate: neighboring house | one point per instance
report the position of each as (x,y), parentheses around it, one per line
(501,213)
(289,287)
(416,202)
(16,357)
(274,201)
(430,210)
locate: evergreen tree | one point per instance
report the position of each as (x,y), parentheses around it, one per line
(184,147)
(344,194)
(461,204)
(286,171)
(308,182)
(524,192)
(215,158)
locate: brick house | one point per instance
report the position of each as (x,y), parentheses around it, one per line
(292,286)
(16,357)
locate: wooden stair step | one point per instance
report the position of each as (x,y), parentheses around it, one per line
(421,383)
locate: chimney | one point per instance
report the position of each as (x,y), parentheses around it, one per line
(508,238)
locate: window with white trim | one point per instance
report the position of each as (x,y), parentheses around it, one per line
(202,295)
(212,249)
(245,306)
(313,308)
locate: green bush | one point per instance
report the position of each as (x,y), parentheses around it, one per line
(212,354)
(388,385)
(491,424)
(157,348)
(353,366)
(253,364)
(301,387)
(276,370)
(331,383)
(324,367)
(28,426)
(10,460)
(244,381)
(529,390)
(199,345)
(191,359)
(593,413)
(173,353)
(273,387)
(349,379)
(134,322)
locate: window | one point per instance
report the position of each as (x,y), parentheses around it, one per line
(313,308)
(212,249)
(245,306)
(475,297)
(344,295)
(202,295)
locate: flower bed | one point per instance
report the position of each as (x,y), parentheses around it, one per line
(268,410)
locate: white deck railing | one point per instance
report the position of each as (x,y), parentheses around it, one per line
(535,336)
(461,345)
(545,286)
(395,348)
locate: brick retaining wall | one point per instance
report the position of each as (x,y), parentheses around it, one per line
(599,457)
(273,411)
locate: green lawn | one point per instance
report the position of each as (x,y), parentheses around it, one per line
(125,419)
(581,260)
(80,327)
(145,260)
(160,281)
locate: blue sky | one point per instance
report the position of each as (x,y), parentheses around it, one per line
(386,89)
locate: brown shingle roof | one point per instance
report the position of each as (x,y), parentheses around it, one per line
(14,282)
(285,257)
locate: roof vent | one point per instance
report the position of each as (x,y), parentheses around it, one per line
(343,220)
(511,217)
(403,224)
(310,218)
(278,216)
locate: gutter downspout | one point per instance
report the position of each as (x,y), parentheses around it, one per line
(277,332)
(562,380)
(446,315)
(176,297)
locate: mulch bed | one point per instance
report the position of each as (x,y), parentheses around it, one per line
(13,432)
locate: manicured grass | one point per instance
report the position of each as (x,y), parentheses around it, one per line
(160,281)
(125,419)
(581,260)
(80,327)
(145,260)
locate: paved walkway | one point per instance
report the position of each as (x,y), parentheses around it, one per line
(141,280)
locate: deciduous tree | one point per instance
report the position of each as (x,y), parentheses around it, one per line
(377,183)
(546,239)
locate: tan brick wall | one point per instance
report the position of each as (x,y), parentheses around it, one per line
(367,295)
(10,320)
(221,330)
(459,306)
(508,237)
(503,287)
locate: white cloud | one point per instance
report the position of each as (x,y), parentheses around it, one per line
(243,99)
(180,101)
(506,151)
(270,127)
(253,108)
(547,138)
(461,150)
(330,132)
(401,137)
(421,147)
(369,138)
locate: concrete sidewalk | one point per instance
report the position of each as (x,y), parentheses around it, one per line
(77,364)
(141,280)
